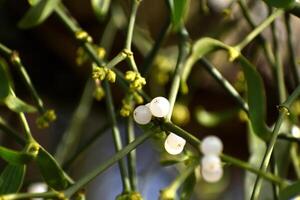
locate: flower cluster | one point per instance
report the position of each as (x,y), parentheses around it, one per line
(44,120)
(101,73)
(136,80)
(211,166)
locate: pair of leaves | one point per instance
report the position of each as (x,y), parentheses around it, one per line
(38,13)
(101,8)
(179,9)
(255,88)
(6,95)
(11,178)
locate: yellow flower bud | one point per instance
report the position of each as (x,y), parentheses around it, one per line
(99,93)
(101,52)
(111,76)
(138,98)
(130,75)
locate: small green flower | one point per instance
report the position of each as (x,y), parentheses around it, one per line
(111,76)
(101,52)
(130,196)
(83,36)
(44,120)
(99,73)
(130,75)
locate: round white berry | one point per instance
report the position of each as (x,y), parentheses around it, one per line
(174,144)
(38,187)
(160,107)
(211,145)
(295,131)
(142,115)
(212,176)
(210,162)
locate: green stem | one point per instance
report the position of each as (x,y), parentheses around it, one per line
(278,64)
(258,29)
(45,195)
(184,49)
(116,60)
(16,61)
(118,156)
(171,190)
(213,71)
(131,158)
(195,142)
(289,137)
(116,135)
(292,58)
(261,40)
(82,148)
(134,8)
(71,136)
(284,110)
(268,153)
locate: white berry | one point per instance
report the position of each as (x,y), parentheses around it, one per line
(295,131)
(211,145)
(212,176)
(210,162)
(160,107)
(174,144)
(142,115)
(38,187)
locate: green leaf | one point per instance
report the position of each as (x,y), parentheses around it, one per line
(255,88)
(179,9)
(52,173)
(188,187)
(38,13)
(14,157)
(11,178)
(256,99)
(280,3)
(290,191)
(101,8)
(4,82)
(17,105)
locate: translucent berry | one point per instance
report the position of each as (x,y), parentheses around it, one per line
(38,187)
(212,176)
(211,145)
(295,131)
(210,162)
(142,115)
(160,107)
(174,144)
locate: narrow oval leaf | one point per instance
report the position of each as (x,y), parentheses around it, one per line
(290,191)
(179,9)
(38,13)
(4,82)
(101,8)
(188,187)
(11,179)
(52,173)
(280,3)
(256,99)
(17,105)
(14,157)
(255,88)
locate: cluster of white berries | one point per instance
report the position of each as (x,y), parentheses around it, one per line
(159,107)
(211,166)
